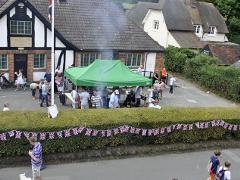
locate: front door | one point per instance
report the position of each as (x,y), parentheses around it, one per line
(20,62)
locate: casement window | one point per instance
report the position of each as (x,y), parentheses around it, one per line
(20,27)
(133,60)
(156,24)
(87,58)
(212,30)
(197,29)
(3,62)
(39,61)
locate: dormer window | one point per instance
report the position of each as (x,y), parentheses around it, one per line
(156,24)
(212,30)
(197,29)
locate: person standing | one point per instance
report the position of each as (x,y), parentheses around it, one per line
(48,76)
(164,75)
(114,100)
(213,165)
(224,172)
(36,157)
(84,98)
(19,80)
(140,70)
(155,78)
(171,84)
(96,100)
(44,93)
(75,96)
(138,93)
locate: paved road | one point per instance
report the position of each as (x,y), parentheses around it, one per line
(186,95)
(186,166)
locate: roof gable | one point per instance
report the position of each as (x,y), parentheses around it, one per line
(95,25)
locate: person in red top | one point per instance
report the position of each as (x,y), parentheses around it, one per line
(164,75)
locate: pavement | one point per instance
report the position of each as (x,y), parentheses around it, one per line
(185,94)
(184,166)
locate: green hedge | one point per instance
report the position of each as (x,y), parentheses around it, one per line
(105,119)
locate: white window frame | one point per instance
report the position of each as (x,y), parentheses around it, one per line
(133,60)
(197,29)
(155,24)
(3,57)
(38,57)
(87,58)
(20,27)
(212,30)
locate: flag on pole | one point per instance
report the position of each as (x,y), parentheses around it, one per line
(50,10)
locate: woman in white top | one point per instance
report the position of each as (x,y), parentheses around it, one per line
(19,80)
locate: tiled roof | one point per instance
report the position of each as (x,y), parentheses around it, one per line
(187,39)
(226,53)
(96,25)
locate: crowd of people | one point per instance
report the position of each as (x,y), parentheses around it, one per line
(99,97)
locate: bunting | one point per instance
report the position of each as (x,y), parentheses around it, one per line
(125,129)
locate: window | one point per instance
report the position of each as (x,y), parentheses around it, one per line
(212,30)
(39,61)
(155,24)
(133,60)
(88,58)
(21,27)
(3,61)
(197,29)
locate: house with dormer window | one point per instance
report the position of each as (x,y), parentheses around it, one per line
(84,31)
(182,23)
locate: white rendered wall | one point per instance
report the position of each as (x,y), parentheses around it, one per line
(12,12)
(200,34)
(159,35)
(57,54)
(150,63)
(172,41)
(39,33)
(3,31)
(49,40)
(37,76)
(217,38)
(69,58)
(59,43)
(29,13)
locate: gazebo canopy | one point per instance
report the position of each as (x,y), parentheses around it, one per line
(105,73)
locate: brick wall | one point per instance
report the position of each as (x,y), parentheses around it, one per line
(159,62)
(30,57)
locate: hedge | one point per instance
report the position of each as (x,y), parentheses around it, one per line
(105,119)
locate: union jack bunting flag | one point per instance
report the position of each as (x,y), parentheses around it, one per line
(50,10)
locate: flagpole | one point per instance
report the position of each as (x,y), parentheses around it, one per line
(52,56)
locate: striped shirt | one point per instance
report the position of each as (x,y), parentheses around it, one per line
(96,101)
(37,153)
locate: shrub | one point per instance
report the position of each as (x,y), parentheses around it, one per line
(174,59)
(105,119)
